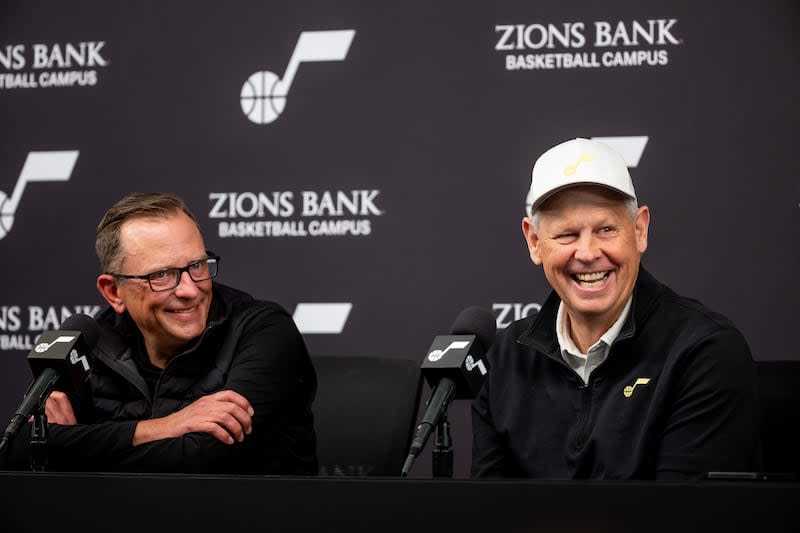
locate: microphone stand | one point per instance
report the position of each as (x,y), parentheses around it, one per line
(443,449)
(39,441)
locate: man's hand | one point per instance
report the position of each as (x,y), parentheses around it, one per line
(226,415)
(58,409)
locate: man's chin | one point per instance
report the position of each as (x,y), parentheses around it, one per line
(591,308)
(186,332)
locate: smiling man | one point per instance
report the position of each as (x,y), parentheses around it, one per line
(188,375)
(617,377)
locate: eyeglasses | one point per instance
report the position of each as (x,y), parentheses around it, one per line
(169,278)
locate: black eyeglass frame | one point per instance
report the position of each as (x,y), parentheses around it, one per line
(210,257)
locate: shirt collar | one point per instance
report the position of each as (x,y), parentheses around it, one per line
(607,339)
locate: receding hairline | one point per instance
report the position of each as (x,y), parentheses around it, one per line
(153,218)
(610,197)
(135,206)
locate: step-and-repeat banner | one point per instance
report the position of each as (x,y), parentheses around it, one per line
(365,163)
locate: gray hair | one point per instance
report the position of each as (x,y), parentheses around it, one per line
(631,205)
(135,205)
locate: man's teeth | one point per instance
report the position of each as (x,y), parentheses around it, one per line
(591,277)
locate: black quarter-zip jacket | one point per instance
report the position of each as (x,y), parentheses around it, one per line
(250,346)
(675,398)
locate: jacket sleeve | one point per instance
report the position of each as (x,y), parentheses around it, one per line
(270,368)
(81,447)
(713,425)
(490,456)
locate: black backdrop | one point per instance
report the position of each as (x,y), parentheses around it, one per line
(409,147)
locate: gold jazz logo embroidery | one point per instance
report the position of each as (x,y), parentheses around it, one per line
(569,170)
(628,391)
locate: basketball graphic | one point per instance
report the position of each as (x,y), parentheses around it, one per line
(6,219)
(261,101)
(54,165)
(263,95)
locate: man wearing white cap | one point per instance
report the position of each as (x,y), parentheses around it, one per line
(616,377)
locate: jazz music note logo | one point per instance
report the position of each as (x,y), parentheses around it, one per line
(44,346)
(628,391)
(263,95)
(471,363)
(569,170)
(75,358)
(39,166)
(435,355)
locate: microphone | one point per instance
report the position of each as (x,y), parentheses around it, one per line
(455,369)
(59,358)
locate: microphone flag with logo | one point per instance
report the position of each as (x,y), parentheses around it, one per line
(59,358)
(455,368)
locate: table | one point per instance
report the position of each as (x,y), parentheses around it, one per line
(118,503)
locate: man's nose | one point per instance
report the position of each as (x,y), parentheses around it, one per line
(587,248)
(186,284)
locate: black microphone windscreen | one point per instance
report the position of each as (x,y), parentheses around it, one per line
(478,321)
(87,325)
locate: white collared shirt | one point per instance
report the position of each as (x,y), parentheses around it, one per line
(584,363)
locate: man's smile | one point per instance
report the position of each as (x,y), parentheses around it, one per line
(591,280)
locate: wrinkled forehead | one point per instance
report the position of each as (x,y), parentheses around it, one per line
(160,241)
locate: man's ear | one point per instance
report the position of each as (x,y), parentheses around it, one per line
(108,286)
(532,239)
(641,228)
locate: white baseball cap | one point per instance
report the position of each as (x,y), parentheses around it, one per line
(576,162)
